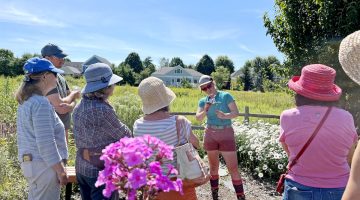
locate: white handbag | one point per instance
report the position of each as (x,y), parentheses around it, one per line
(189,164)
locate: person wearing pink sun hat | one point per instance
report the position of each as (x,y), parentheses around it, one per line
(323,169)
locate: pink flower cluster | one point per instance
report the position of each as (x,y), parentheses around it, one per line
(133,167)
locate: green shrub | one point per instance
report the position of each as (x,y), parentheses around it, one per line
(127,107)
(12,182)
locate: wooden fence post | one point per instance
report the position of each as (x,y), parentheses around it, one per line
(246,114)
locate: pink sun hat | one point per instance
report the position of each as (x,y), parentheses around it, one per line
(316,82)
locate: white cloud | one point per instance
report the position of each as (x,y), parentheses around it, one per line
(14,15)
(247,49)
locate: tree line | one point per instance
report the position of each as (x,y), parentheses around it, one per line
(255,74)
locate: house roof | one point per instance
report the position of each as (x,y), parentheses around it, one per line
(165,70)
(96,59)
(77,65)
(71,70)
(236,74)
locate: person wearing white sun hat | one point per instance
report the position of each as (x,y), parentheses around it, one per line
(349,57)
(158,122)
(95,126)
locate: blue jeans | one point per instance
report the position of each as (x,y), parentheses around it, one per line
(297,191)
(88,190)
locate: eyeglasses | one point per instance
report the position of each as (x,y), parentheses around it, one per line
(205,88)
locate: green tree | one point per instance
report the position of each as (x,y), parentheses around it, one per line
(309,31)
(133,60)
(176,61)
(246,76)
(126,72)
(163,62)
(17,68)
(185,83)
(147,63)
(205,65)
(221,77)
(6,62)
(225,62)
(301,27)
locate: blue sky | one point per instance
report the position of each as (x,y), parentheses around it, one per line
(157,28)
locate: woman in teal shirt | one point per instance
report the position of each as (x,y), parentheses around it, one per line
(219,108)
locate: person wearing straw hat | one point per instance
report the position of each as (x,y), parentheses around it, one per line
(158,122)
(95,126)
(349,57)
(323,169)
(40,132)
(219,108)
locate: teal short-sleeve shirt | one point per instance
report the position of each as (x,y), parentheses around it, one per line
(220,102)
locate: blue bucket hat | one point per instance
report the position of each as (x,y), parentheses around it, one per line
(53,50)
(99,76)
(37,65)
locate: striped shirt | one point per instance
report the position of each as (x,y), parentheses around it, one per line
(40,131)
(95,126)
(165,130)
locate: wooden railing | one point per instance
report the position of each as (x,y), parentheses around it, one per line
(246,116)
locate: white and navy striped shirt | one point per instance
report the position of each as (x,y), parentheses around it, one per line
(40,131)
(165,130)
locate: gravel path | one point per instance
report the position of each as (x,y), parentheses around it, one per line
(254,189)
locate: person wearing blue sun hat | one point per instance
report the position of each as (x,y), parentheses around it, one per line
(95,126)
(40,133)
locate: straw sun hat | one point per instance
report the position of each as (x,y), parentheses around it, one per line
(316,82)
(349,56)
(154,95)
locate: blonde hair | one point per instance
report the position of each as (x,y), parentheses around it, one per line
(29,87)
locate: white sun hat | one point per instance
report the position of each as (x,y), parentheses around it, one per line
(154,94)
(349,56)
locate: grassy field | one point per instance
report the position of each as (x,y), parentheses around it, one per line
(186,101)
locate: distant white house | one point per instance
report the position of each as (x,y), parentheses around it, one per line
(172,76)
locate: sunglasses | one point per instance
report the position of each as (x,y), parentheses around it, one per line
(205,88)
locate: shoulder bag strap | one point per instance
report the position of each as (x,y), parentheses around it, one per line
(177,129)
(310,139)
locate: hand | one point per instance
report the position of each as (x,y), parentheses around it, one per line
(220,114)
(63,178)
(76,94)
(207,106)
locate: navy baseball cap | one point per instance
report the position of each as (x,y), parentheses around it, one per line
(37,65)
(53,50)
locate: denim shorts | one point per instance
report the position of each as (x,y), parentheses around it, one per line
(297,191)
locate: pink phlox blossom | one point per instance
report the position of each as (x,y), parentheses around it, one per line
(155,168)
(133,158)
(137,178)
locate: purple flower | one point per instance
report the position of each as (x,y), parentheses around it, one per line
(137,178)
(133,158)
(134,164)
(155,168)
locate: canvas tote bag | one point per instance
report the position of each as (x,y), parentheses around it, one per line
(190,166)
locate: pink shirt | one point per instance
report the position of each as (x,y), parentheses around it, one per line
(324,163)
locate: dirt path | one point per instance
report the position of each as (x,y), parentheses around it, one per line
(254,189)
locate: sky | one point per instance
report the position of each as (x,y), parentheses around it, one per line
(112,29)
